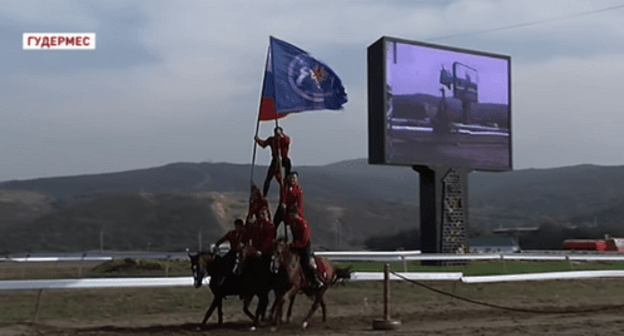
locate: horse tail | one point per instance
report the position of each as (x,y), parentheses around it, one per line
(341,274)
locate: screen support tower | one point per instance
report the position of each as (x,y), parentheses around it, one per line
(443,211)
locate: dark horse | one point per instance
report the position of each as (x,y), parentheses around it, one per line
(285,259)
(224,283)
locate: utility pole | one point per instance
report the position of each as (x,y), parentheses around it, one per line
(199,239)
(102,240)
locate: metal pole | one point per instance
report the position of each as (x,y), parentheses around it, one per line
(386,291)
(102,240)
(199,239)
(253,156)
(255,146)
(80,265)
(386,323)
(167,267)
(38,305)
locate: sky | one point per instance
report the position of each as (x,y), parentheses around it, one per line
(180,81)
(417,70)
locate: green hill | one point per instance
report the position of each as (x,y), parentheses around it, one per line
(346,203)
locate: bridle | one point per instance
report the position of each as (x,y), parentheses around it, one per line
(199,270)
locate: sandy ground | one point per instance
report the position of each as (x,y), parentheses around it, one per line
(438,316)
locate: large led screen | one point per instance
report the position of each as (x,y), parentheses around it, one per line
(435,105)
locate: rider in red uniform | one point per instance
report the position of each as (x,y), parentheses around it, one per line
(280,144)
(291,196)
(301,245)
(257,202)
(260,233)
(235,237)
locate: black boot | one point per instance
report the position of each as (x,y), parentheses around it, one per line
(316,282)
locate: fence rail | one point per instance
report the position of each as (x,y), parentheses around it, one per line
(29,285)
(393,256)
(386,257)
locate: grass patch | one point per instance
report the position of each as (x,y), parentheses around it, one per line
(94,304)
(91,305)
(109,269)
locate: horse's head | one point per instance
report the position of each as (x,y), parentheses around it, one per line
(200,263)
(280,246)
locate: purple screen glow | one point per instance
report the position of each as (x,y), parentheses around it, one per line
(446,107)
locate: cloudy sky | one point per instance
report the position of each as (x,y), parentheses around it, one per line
(175,81)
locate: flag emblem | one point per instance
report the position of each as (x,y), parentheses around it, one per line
(309,80)
(318,75)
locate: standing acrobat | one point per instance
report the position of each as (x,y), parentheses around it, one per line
(279,143)
(290,195)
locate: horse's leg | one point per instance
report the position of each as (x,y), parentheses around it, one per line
(220,310)
(213,305)
(291,293)
(290,305)
(318,301)
(246,302)
(280,305)
(273,307)
(279,302)
(263,302)
(323,309)
(310,313)
(268,297)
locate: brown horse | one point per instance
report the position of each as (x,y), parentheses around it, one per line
(287,260)
(224,283)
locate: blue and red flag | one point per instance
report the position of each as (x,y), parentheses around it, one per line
(295,81)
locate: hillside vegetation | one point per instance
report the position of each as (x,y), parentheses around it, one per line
(349,205)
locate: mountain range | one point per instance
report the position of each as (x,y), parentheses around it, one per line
(181,205)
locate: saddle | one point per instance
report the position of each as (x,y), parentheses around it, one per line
(323,269)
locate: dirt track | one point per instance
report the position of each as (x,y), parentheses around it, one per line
(421,313)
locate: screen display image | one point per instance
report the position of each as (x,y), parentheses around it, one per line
(446,107)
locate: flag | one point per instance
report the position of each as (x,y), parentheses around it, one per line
(295,81)
(267,103)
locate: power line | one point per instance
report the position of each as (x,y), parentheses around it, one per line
(520,25)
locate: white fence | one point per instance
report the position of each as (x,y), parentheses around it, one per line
(396,256)
(393,256)
(24,285)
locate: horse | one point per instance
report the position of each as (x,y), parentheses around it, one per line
(223,282)
(284,258)
(257,273)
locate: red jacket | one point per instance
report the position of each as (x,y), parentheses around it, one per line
(291,195)
(279,145)
(234,237)
(256,204)
(301,233)
(284,145)
(261,233)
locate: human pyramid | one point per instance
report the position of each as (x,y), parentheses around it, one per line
(258,231)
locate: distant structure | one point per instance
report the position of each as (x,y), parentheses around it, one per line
(494,245)
(515,232)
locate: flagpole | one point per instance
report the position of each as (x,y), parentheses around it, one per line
(255,146)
